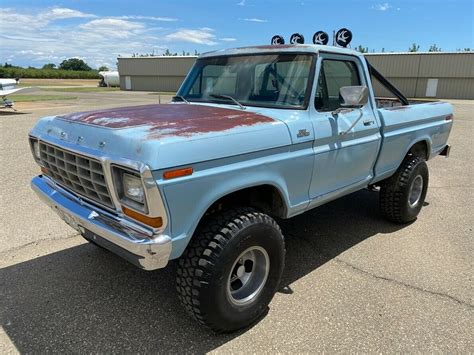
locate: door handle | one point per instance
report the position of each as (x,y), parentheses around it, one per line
(368,122)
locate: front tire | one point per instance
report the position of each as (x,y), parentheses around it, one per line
(402,195)
(231,270)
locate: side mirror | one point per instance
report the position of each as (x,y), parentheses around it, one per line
(353,96)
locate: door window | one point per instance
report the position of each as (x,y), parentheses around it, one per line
(334,74)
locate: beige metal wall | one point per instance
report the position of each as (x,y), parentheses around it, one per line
(154,73)
(410,73)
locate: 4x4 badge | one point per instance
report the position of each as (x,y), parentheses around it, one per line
(302,133)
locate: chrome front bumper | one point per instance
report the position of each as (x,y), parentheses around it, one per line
(131,241)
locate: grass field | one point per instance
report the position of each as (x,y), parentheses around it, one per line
(58,82)
(82,89)
(32,98)
(163,93)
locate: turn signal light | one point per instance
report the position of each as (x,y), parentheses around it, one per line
(172,174)
(44,170)
(155,222)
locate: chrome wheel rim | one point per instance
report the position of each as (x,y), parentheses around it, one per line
(416,190)
(248,275)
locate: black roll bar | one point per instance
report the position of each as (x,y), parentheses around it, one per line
(387,84)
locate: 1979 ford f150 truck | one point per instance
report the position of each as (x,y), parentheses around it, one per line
(254,134)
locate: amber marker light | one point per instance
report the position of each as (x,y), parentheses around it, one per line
(173,174)
(155,222)
(44,170)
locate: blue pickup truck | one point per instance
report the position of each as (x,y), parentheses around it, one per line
(253,135)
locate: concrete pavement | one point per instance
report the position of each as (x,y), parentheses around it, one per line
(353,282)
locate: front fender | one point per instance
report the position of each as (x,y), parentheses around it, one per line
(189,198)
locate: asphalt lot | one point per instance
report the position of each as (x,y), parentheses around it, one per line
(353,282)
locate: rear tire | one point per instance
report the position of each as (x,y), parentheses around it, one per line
(402,195)
(231,269)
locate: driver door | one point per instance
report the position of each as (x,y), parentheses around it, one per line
(342,162)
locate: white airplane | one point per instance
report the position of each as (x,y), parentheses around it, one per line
(8,87)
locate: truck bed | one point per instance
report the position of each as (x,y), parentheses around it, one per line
(403,126)
(386,102)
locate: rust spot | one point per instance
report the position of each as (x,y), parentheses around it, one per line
(170,119)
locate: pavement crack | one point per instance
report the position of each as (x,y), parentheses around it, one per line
(401,283)
(19,247)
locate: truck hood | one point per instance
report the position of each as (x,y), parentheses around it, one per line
(165,135)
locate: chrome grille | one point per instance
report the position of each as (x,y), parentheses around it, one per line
(80,174)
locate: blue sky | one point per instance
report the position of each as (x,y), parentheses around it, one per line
(38,32)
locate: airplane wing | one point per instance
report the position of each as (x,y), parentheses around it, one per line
(10,91)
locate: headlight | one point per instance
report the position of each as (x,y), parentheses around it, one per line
(130,189)
(133,188)
(36,150)
(139,196)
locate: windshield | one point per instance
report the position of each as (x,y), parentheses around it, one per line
(274,80)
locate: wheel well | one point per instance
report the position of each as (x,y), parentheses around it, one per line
(420,149)
(265,198)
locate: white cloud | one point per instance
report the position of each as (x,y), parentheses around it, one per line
(29,39)
(254,20)
(111,23)
(228,39)
(241,3)
(382,7)
(63,13)
(149,18)
(35,37)
(112,28)
(200,36)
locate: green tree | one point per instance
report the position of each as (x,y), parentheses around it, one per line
(362,49)
(103,68)
(74,64)
(49,66)
(434,48)
(414,48)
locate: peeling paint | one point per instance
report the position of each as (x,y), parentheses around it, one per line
(170,119)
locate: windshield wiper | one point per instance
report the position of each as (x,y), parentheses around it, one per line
(181,98)
(218,96)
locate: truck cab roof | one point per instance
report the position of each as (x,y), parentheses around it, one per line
(281,48)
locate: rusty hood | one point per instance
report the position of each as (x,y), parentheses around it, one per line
(170,119)
(166,135)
